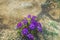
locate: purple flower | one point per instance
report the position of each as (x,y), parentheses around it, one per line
(30,37)
(32,26)
(19,25)
(39,24)
(34,22)
(29,16)
(25,31)
(34,17)
(39,27)
(25,21)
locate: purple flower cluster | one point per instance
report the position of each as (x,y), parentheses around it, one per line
(33,25)
(19,25)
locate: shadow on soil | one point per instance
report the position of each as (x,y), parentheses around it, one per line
(45,11)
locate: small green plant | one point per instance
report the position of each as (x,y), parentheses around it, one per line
(29,27)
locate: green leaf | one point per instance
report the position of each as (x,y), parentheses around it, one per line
(46,32)
(53,24)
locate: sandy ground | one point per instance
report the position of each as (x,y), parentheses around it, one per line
(12,11)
